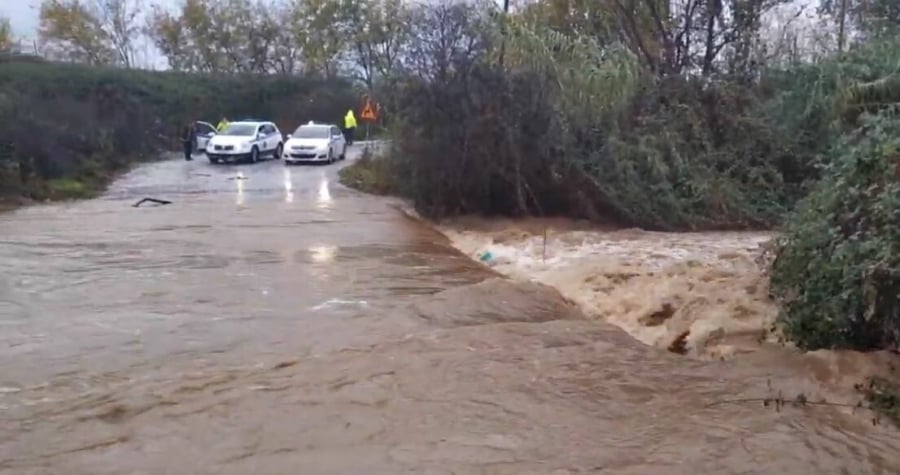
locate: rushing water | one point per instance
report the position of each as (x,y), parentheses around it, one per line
(702,294)
(269,321)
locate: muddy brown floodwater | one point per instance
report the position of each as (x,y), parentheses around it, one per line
(281,324)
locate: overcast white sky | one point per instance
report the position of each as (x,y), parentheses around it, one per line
(22,14)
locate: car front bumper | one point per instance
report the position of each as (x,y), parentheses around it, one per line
(294,156)
(228,157)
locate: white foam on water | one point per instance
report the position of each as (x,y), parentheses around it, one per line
(697,293)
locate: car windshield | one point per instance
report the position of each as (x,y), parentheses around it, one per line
(246,130)
(311,132)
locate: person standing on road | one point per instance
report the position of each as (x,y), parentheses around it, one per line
(349,126)
(188,139)
(222,124)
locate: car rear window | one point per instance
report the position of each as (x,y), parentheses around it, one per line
(311,132)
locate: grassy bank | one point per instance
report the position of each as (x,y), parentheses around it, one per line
(369,174)
(67,129)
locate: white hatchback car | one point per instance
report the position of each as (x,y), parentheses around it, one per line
(315,143)
(245,141)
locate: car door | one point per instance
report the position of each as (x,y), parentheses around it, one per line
(264,137)
(260,139)
(205,131)
(271,137)
(276,135)
(337,141)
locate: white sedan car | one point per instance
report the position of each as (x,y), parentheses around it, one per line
(245,141)
(315,143)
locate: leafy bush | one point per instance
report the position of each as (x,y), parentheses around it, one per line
(67,121)
(567,127)
(837,267)
(689,153)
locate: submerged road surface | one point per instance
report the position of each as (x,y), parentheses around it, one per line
(282,324)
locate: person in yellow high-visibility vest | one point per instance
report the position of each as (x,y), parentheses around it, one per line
(349,126)
(222,124)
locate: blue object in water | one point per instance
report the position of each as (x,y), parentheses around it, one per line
(486,256)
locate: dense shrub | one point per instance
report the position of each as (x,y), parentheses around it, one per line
(837,269)
(692,153)
(566,127)
(84,123)
(477,142)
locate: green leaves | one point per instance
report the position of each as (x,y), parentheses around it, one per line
(231,36)
(363,39)
(837,273)
(98,33)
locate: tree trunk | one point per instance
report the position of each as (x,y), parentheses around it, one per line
(842,25)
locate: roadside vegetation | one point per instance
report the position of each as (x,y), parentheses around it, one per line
(67,129)
(685,115)
(370,175)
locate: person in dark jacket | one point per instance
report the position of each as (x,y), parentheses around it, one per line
(188,139)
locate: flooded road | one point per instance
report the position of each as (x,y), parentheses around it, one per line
(282,324)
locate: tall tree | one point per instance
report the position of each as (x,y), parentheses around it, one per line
(74,32)
(862,19)
(378,30)
(170,35)
(218,36)
(7,42)
(118,20)
(320,32)
(96,32)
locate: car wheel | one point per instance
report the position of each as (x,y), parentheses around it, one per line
(254,155)
(344,153)
(278,150)
(330,157)
(214,161)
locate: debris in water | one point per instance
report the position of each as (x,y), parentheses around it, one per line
(658,317)
(679,346)
(339,303)
(486,257)
(152,200)
(285,364)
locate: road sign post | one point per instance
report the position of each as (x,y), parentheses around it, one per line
(368,114)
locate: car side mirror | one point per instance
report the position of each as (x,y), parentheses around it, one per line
(260,135)
(211,134)
(288,136)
